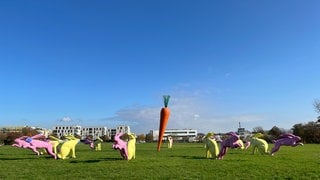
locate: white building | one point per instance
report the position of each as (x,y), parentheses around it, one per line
(119,129)
(243,133)
(43,131)
(94,132)
(65,130)
(83,132)
(123,129)
(177,134)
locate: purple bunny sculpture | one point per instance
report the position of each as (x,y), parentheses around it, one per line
(286,140)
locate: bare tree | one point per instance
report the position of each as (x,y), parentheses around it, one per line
(149,137)
(275,131)
(316,105)
(258,129)
(141,137)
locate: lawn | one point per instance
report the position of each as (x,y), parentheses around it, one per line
(183,161)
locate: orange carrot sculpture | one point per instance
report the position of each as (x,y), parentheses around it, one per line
(164,118)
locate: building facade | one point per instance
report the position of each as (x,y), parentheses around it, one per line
(61,131)
(94,132)
(188,135)
(13,129)
(118,129)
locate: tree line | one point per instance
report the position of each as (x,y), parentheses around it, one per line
(309,132)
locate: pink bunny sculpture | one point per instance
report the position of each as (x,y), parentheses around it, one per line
(21,143)
(286,140)
(51,139)
(55,143)
(120,145)
(42,144)
(231,142)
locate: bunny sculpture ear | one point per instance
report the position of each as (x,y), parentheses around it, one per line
(247,145)
(210,134)
(258,135)
(38,136)
(232,133)
(55,139)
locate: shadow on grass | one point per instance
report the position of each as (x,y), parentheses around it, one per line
(190,157)
(200,157)
(30,157)
(87,161)
(96,160)
(15,158)
(113,159)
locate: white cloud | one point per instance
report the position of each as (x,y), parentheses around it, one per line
(66,119)
(190,111)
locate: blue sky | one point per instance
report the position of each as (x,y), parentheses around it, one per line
(109,62)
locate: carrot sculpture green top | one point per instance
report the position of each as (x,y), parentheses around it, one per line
(164,118)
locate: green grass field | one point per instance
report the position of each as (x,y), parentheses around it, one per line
(183,161)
